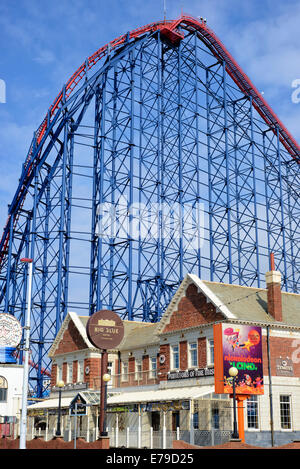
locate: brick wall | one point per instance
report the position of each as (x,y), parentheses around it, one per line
(163,368)
(71,341)
(183,355)
(202,353)
(192,310)
(281,347)
(94,367)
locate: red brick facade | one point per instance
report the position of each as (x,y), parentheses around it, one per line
(193,310)
(71,341)
(274,300)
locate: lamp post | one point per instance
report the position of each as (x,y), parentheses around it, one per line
(106,378)
(233,372)
(60,385)
(23,423)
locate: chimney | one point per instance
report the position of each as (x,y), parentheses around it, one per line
(273,281)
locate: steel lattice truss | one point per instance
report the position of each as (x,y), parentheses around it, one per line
(161,117)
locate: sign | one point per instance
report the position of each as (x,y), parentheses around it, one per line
(239,346)
(8,355)
(193,373)
(284,367)
(165,406)
(78,406)
(70,387)
(10,331)
(105,329)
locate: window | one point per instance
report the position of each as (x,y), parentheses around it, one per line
(138,370)
(210,355)
(252,412)
(285,412)
(59,373)
(175,357)
(125,371)
(3,389)
(215,418)
(153,367)
(109,368)
(195,420)
(80,371)
(193,354)
(70,372)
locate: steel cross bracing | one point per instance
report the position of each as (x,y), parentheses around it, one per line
(152,121)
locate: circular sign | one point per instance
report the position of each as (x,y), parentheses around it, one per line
(10,331)
(105,329)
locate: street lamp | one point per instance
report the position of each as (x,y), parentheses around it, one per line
(23,423)
(106,378)
(233,372)
(60,385)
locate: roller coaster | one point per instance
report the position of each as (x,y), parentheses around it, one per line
(158,158)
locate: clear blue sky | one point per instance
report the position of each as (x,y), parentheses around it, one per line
(43,43)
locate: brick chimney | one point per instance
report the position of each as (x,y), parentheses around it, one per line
(273,281)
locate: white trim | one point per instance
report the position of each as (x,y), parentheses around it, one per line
(212,297)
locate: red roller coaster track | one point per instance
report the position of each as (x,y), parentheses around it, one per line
(170,29)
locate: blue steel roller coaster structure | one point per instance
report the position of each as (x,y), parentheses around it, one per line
(162,117)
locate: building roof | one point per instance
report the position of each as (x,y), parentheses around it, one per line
(237,303)
(139,334)
(250,304)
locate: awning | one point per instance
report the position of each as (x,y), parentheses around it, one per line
(133,397)
(170,394)
(51,403)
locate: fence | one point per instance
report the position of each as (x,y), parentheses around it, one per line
(138,438)
(163,439)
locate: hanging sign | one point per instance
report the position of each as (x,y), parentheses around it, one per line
(105,329)
(239,346)
(10,337)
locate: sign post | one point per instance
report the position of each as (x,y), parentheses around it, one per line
(105,330)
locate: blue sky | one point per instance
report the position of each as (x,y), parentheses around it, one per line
(43,43)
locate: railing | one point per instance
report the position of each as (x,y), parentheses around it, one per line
(137,378)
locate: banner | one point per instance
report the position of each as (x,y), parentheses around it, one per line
(238,346)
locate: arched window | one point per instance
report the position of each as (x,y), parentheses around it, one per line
(3,389)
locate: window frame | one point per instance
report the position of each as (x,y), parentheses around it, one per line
(282,428)
(190,352)
(210,354)
(177,354)
(253,399)
(153,370)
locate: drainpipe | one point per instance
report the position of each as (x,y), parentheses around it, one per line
(270,387)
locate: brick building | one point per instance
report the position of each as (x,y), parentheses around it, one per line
(163,373)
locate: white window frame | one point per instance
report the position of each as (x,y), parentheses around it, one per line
(290,429)
(254,398)
(210,351)
(125,368)
(153,369)
(173,347)
(59,373)
(191,352)
(80,371)
(138,370)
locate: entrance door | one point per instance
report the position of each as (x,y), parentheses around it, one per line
(175,420)
(155,421)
